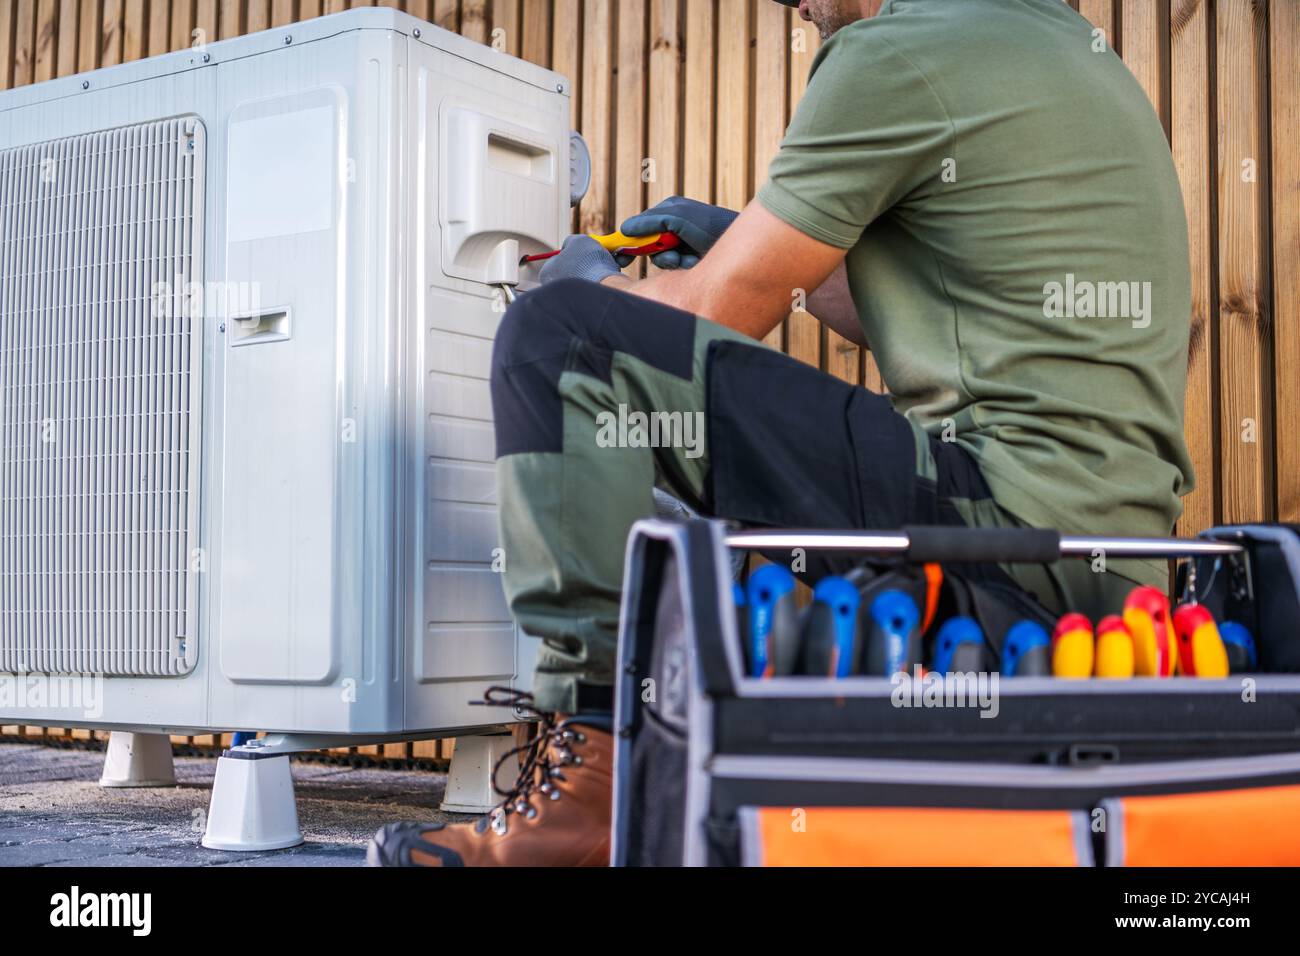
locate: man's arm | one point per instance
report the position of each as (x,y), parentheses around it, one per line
(749,279)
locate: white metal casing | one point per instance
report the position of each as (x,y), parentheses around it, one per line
(360,174)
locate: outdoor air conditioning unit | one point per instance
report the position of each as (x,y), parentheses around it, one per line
(247,300)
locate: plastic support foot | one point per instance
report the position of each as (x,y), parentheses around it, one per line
(138,760)
(469,782)
(252,806)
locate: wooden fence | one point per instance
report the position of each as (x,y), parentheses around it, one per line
(692,96)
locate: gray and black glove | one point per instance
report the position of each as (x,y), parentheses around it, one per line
(697,224)
(581,257)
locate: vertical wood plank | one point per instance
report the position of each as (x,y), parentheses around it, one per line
(505,26)
(536,43)
(1102,14)
(110,48)
(69,23)
(446,14)
(334,6)
(24,42)
(88,35)
(566,59)
(697,132)
(1191,138)
(663,138)
(159,28)
(1284,66)
(182,26)
(232,18)
(1245,345)
(134,31)
(259,15)
(206,23)
(630,106)
(771,86)
(311,9)
(7,11)
(474,20)
(283,13)
(47,49)
(734,94)
(597,72)
(1145,28)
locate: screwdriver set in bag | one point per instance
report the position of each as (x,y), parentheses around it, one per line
(913,713)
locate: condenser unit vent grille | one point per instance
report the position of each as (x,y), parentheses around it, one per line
(100,359)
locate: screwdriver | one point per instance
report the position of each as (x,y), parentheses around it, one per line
(1072,647)
(1240,645)
(617,244)
(1027,651)
(959,647)
(830,629)
(1200,648)
(893,640)
(1146,612)
(773,622)
(1114,657)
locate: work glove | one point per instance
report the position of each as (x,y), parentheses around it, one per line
(581,257)
(697,224)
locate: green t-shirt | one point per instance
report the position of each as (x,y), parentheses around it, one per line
(1017,249)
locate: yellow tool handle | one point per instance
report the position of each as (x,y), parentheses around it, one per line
(616,241)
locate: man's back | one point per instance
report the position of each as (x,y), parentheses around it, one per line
(1019,248)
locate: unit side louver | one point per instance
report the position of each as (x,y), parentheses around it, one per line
(100,362)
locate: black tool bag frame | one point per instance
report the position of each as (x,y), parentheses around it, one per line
(698,740)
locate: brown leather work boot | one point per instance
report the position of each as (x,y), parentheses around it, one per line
(556,814)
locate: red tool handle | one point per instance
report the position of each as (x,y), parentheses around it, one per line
(661,243)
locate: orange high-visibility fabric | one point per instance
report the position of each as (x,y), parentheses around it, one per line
(1258,827)
(914,836)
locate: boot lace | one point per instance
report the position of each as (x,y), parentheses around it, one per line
(542,759)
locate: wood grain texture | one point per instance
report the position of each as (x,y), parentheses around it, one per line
(67,28)
(1192,141)
(1102,14)
(1245,340)
(771,70)
(24,42)
(537,32)
(504,35)
(663,134)
(47,46)
(90,24)
(1284,66)
(734,96)
(597,108)
(630,155)
(1145,28)
(698,103)
(7,11)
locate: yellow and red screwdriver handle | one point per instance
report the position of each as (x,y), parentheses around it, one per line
(618,244)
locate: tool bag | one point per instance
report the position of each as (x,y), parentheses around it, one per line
(713,767)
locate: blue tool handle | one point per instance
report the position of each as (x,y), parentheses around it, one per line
(1240,645)
(891,643)
(959,647)
(773,623)
(1027,651)
(830,632)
